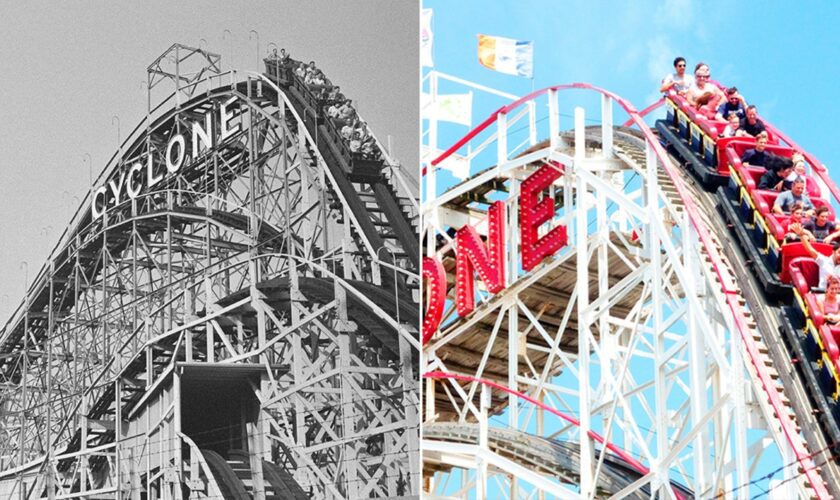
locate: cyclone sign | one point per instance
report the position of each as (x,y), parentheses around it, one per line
(472,255)
(133,180)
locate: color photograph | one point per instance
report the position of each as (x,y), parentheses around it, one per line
(629,250)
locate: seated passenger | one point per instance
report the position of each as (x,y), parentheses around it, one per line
(346,112)
(757,157)
(368,149)
(707,105)
(356,142)
(679,81)
(301,71)
(702,86)
(734,104)
(798,170)
(347,131)
(828,302)
(334,93)
(332,112)
(751,125)
(777,170)
(796,216)
(732,128)
(823,229)
(829,264)
(786,200)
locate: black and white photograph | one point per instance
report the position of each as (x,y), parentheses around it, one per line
(210,262)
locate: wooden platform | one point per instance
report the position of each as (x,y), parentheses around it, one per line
(547,298)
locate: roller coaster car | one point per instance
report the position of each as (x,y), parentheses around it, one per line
(748,210)
(760,231)
(805,322)
(697,140)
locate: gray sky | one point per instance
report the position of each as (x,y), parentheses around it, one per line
(68,67)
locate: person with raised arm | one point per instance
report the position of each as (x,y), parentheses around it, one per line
(829,264)
(735,103)
(679,82)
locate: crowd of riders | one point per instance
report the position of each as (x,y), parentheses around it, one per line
(340,111)
(805,223)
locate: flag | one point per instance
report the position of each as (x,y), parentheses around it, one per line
(514,57)
(455,108)
(426,38)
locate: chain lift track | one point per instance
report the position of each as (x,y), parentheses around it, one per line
(231,329)
(638,290)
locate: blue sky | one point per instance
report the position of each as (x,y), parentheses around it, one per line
(780,56)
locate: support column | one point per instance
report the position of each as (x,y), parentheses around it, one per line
(483,444)
(653,251)
(587,486)
(697,355)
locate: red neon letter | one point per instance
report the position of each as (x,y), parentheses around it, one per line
(470,251)
(434,276)
(533,214)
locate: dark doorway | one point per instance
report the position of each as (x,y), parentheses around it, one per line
(216,405)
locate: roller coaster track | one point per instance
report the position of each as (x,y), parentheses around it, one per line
(788,366)
(256,266)
(550,457)
(763,320)
(778,392)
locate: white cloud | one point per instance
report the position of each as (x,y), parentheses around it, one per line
(674,14)
(660,57)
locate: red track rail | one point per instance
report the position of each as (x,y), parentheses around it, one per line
(731,293)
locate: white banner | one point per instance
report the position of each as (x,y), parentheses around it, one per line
(426,37)
(454,108)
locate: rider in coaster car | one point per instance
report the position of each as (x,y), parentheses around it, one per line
(828,302)
(751,125)
(796,217)
(702,87)
(734,104)
(829,264)
(757,157)
(679,81)
(732,128)
(778,168)
(787,199)
(823,229)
